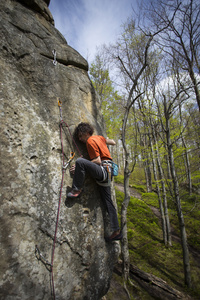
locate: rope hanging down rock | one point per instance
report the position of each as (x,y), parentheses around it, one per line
(64,167)
(58,213)
(49,265)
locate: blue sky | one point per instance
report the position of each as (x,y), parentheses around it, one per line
(87,24)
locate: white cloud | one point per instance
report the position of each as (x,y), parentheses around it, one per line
(87,24)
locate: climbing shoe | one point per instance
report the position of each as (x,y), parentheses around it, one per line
(114,237)
(74,193)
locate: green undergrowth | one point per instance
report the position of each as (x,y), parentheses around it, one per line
(146,247)
(151,199)
(139,188)
(191,211)
(119,179)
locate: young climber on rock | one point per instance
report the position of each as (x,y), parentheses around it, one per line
(98,167)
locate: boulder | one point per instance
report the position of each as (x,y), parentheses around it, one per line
(38,67)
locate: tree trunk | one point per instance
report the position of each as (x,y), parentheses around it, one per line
(185,155)
(146,160)
(125,204)
(164,193)
(125,250)
(187,165)
(195,84)
(159,196)
(127,172)
(148,174)
(169,177)
(118,155)
(186,261)
(156,287)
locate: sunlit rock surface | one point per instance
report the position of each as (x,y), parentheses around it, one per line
(31,163)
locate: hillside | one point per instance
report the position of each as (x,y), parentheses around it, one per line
(148,253)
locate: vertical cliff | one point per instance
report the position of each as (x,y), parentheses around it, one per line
(31,163)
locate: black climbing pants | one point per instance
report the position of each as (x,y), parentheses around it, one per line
(82,166)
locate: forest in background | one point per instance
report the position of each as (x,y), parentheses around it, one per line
(148,85)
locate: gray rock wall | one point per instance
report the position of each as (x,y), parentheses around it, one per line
(31,163)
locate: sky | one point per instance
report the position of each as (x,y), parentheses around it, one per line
(87,24)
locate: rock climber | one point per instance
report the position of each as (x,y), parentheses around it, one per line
(97,167)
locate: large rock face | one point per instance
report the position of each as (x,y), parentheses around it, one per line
(31,163)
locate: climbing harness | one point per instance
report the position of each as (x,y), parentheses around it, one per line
(109,169)
(107,172)
(54,57)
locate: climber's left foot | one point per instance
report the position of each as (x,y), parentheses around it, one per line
(74,193)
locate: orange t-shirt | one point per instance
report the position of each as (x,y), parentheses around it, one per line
(96,146)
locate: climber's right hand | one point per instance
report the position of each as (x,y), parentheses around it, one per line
(72,170)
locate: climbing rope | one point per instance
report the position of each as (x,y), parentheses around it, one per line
(58,211)
(64,167)
(38,254)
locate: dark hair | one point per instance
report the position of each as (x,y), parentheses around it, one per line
(83,128)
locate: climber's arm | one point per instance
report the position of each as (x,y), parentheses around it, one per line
(110,142)
(96,160)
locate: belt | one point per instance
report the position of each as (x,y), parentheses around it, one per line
(105,163)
